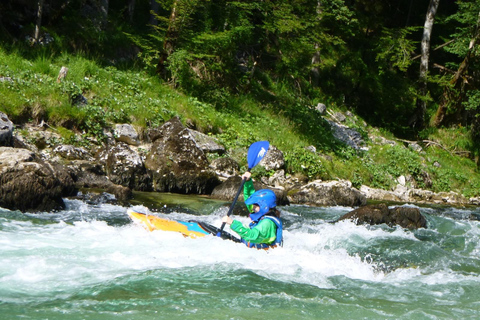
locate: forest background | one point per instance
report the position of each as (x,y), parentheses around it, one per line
(405,71)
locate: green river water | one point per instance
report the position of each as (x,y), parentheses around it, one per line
(91,262)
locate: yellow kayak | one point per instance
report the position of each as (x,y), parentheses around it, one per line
(151,222)
(192,229)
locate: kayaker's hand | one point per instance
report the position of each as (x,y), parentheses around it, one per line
(247,175)
(227,220)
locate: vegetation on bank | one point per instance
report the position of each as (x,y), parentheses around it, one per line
(244,71)
(93,98)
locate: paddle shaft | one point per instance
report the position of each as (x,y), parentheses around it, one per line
(256,152)
(233,203)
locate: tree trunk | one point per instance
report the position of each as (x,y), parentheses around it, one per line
(315,62)
(457,81)
(418,119)
(38,25)
(169,41)
(316,59)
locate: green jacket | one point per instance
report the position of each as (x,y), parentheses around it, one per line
(264,232)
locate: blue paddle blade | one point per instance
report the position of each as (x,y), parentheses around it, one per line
(256,152)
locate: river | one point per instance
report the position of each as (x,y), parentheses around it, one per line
(91,262)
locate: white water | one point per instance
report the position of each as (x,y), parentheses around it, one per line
(53,257)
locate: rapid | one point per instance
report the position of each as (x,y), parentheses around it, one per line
(91,262)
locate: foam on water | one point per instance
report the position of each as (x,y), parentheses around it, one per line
(56,255)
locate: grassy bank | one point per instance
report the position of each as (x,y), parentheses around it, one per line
(94,96)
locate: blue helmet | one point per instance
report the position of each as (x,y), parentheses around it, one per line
(265,199)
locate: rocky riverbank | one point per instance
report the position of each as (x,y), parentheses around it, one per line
(36,172)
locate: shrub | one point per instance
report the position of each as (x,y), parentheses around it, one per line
(304,162)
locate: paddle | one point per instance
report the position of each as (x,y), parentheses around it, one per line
(256,152)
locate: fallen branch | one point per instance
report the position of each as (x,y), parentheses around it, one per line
(427,143)
(430,142)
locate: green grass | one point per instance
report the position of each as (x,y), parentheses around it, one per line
(134,96)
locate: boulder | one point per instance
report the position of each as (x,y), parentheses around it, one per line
(349,136)
(207,143)
(6,131)
(273,160)
(97,198)
(277,180)
(384,195)
(229,188)
(225,167)
(427,196)
(29,184)
(125,167)
(126,133)
(177,164)
(91,176)
(474,201)
(70,152)
(321,108)
(153,134)
(404,194)
(330,193)
(406,217)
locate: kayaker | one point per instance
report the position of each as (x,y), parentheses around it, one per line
(265,230)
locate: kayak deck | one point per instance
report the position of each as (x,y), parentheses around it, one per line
(192,229)
(150,222)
